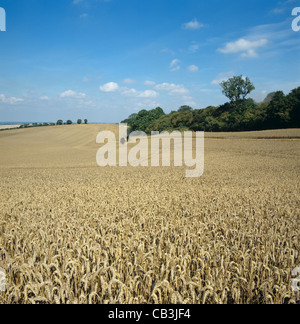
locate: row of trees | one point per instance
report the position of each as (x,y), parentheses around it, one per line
(26,125)
(240,114)
(69,122)
(59,122)
(142,120)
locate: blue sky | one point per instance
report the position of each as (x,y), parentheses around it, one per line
(105,59)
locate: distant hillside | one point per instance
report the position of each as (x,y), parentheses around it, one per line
(51,147)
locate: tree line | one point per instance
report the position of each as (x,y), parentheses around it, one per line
(58,123)
(277,111)
(69,122)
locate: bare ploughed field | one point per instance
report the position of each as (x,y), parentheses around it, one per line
(73,232)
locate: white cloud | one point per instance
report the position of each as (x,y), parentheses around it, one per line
(46,98)
(192,25)
(179,91)
(130,92)
(194,47)
(147,104)
(128,81)
(174,89)
(193,68)
(148,94)
(176,68)
(72,94)
(109,87)
(10,100)
(91,79)
(149,83)
(174,65)
(269,39)
(140,94)
(246,47)
(174,62)
(283,6)
(167,86)
(279,36)
(188,100)
(168,51)
(224,76)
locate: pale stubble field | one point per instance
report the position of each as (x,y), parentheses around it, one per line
(72,232)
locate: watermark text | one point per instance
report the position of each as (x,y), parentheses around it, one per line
(2,280)
(188,149)
(296,279)
(296,21)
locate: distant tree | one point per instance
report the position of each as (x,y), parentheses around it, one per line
(293,100)
(277,114)
(185,108)
(142,120)
(269,97)
(69,122)
(156,113)
(127,120)
(59,122)
(79,121)
(132,116)
(85,121)
(236,89)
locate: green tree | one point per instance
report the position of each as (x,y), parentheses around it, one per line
(236,89)
(85,121)
(142,120)
(79,121)
(269,97)
(293,100)
(185,108)
(277,115)
(69,122)
(241,114)
(59,122)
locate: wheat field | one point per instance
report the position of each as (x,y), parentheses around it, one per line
(72,232)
